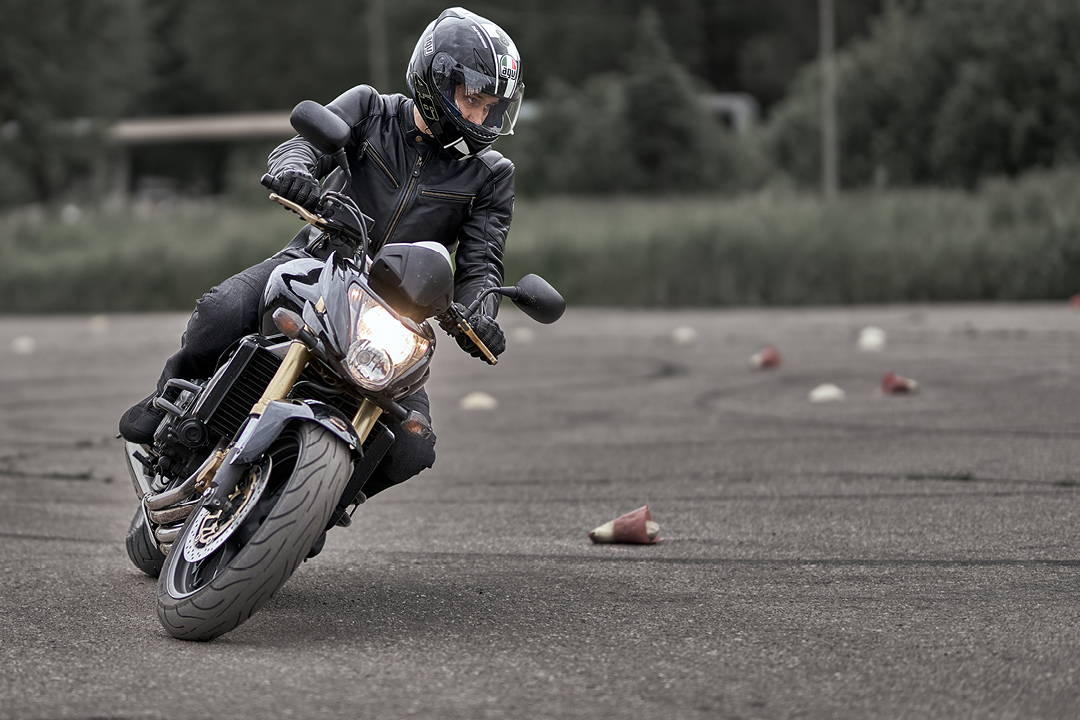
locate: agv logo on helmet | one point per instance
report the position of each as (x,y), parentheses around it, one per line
(508,67)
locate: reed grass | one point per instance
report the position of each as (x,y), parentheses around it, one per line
(1009,240)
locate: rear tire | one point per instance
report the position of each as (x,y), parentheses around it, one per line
(209,597)
(141,548)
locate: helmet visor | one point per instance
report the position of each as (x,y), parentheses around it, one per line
(479,104)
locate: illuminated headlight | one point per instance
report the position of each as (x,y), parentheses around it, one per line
(381,347)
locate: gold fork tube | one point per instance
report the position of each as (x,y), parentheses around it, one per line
(296,359)
(365,418)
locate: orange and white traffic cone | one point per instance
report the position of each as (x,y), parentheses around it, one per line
(893,384)
(633,527)
(769,357)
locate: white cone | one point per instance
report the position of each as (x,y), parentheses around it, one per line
(99,324)
(522,335)
(684,335)
(478,401)
(23,345)
(826,392)
(871,339)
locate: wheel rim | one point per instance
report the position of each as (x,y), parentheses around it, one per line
(217,541)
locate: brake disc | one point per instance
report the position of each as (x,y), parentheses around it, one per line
(213,528)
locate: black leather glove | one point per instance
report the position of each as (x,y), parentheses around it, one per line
(298,186)
(486,329)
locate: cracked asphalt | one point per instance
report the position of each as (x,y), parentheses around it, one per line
(879,556)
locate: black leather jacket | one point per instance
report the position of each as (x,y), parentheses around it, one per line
(415,192)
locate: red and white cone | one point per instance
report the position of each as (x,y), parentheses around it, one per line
(633,527)
(893,384)
(768,357)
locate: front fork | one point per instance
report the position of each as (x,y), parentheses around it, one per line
(296,359)
(231,470)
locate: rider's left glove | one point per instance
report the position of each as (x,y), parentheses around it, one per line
(489,332)
(297,186)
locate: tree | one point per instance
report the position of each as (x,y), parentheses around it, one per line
(672,137)
(946,91)
(62,64)
(646,129)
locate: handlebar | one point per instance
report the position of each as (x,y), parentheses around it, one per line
(336,212)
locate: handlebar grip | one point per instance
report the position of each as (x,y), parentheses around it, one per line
(267,180)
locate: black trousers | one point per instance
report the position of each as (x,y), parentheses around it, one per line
(229,312)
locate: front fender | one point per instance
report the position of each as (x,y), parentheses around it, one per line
(259,432)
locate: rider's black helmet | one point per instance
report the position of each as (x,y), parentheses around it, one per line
(461,48)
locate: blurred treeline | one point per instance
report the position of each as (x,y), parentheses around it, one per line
(959,145)
(930,92)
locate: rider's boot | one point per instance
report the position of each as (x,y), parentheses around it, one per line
(317,547)
(138,424)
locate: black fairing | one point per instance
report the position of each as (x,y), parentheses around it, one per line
(289,286)
(300,284)
(415,280)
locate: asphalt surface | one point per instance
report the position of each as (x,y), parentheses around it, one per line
(879,556)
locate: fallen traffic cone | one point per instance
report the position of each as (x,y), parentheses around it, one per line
(767,358)
(893,384)
(633,527)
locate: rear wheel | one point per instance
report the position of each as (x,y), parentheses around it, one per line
(224,567)
(141,548)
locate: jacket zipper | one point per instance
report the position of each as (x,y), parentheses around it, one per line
(381,163)
(404,198)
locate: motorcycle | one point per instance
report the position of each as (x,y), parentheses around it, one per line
(251,467)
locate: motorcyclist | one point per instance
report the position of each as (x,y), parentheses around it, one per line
(422,169)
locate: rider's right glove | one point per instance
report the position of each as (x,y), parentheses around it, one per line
(297,186)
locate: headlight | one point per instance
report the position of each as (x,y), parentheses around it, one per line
(381,347)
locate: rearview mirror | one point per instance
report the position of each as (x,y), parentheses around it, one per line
(535,297)
(320,126)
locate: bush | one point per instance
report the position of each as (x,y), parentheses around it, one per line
(1009,240)
(164,260)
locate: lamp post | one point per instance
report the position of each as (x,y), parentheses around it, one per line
(377,46)
(830,165)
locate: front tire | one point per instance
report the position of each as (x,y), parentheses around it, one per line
(212,595)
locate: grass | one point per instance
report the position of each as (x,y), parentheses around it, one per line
(1010,240)
(159,260)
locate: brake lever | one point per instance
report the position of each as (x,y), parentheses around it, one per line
(454,322)
(300,210)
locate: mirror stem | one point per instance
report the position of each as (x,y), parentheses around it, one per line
(509,292)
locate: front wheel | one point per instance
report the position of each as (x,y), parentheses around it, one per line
(224,567)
